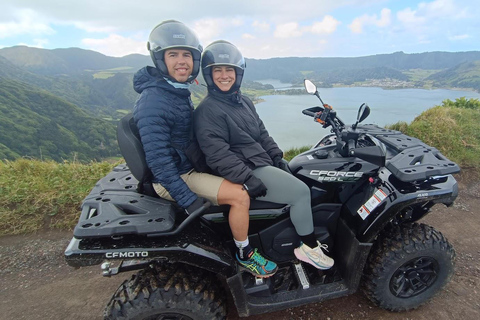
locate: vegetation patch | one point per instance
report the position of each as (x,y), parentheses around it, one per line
(35,195)
(291,153)
(452,128)
(103,75)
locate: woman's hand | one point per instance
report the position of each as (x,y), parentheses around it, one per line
(255,187)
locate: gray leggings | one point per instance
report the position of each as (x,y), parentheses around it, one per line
(285,188)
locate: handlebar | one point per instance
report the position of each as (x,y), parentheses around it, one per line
(309,113)
(351,147)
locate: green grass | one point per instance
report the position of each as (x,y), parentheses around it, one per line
(107,73)
(453,128)
(419,74)
(291,153)
(36,195)
(103,75)
(254,94)
(123,111)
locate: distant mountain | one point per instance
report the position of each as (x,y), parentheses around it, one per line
(69,61)
(294,69)
(74,60)
(464,75)
(37,124)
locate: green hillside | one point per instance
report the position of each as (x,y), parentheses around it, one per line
(38,124)
(100,97)
(464,75)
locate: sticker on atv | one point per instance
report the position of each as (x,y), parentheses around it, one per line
(371,203)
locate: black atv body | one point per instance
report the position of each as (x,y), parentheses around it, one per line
(369,186)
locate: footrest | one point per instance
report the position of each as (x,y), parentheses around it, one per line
(301,275)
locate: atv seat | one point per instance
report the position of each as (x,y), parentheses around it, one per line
(132,150)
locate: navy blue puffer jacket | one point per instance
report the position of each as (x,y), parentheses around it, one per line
(163,115)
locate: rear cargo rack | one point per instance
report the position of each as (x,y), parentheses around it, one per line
(410,159)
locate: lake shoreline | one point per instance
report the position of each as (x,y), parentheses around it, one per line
(283,118)
(281,86)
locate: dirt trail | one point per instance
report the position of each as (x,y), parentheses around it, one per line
(36,283)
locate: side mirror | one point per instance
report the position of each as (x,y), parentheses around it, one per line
(363,112)
(310,87)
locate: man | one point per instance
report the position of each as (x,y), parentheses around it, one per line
(163,114)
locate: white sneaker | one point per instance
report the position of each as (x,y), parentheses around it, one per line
(314,256)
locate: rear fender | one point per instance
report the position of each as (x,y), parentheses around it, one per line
(196,248)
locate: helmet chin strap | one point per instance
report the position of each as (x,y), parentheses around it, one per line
(233,94)
(178,85)
(231,90)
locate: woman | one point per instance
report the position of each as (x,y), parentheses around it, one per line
(238,147)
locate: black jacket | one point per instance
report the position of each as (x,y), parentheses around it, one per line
(232,136)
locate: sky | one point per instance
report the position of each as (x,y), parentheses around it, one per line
(260,29)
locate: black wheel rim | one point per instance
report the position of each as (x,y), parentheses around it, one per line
(169,316)
(414,277)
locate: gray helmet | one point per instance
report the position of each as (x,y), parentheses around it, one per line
(222,53)
(172,34)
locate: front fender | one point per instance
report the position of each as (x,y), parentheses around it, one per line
(442,189)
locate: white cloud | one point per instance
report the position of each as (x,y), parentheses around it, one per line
(385,18)
(120,15)
(292,29)
(116,45)
(438,8)
(207,29)
(410,18)
(212,29)
(237,22)
(89,27)
(459,37)
(261,26)
(435,21)
(431,12)
(248,36)
(25,21)
(358,23)
(40,43)
(328,25)
(287,30)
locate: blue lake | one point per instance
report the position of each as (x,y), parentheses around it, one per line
(283,118)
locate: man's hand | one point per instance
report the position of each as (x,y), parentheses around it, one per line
(255,187)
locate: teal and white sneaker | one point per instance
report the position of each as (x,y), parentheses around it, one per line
(257,265)
(314,256)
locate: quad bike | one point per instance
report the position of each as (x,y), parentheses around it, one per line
(369,187)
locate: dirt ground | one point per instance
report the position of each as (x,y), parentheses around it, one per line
(36,283)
